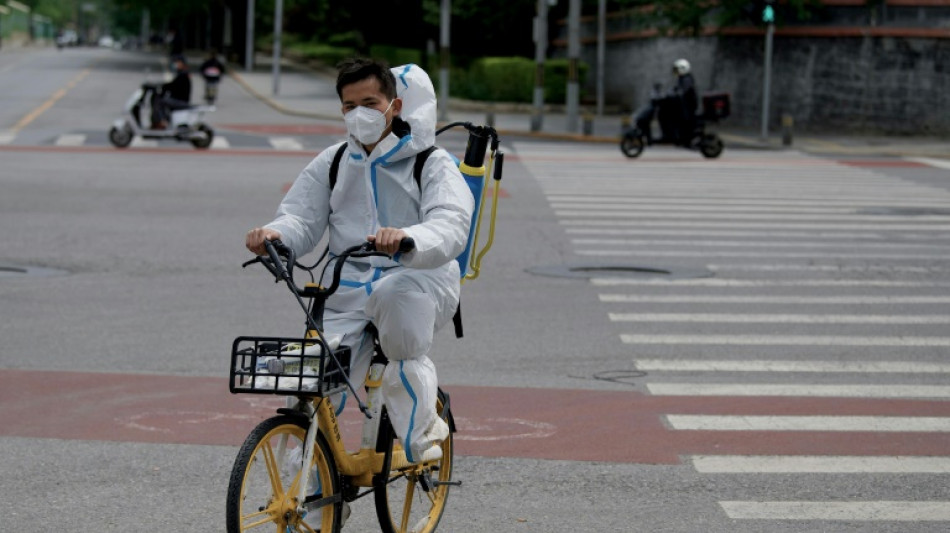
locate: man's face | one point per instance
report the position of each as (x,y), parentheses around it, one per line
(367,93)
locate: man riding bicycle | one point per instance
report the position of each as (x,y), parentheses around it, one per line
(375,197)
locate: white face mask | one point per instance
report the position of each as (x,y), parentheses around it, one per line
(366,124)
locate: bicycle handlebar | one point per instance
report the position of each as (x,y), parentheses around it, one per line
(277,250)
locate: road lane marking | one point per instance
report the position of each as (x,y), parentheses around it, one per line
(930,161)
(788,340)
(285,143)
(647,208)
(842,201)
(219,143)
(720,282)
(819,464)
(139,142)
(826,268)
(791,224)
(45,106)
(762,255)
(830,218)
(890,424)
(764,365)
(799,390)
(829,235)
(71,139)
(712,299)
(717,318)
(909,511)
(750,244)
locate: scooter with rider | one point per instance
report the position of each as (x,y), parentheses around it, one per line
(675,111)
(170,114)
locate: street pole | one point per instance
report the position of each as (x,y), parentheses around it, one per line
(540,52)
(573,56)
(767,80)
(278,30)
(444,40)
(249,38)
(145,27)
(601,53)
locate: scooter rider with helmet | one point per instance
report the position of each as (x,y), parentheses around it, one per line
(685,91)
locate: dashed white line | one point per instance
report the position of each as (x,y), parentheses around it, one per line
(909,511)
(814,464)
(799,390)
(889,424)
(765,365)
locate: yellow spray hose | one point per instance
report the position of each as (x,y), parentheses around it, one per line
(475,262)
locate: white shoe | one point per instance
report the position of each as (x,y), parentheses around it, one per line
(434,453)
(437,432)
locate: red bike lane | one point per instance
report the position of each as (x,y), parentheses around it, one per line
(562,424)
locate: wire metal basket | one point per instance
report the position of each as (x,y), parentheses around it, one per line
(295,367)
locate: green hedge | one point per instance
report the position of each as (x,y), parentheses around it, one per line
(395,55)
(511,79)
(321,53)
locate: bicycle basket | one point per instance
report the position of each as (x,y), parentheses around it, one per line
(297,367)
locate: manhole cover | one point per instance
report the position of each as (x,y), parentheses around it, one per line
(617,271)
(905,211)
(12,271)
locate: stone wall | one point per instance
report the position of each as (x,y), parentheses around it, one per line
(867,84)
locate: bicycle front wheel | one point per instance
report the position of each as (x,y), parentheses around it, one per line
(412,499)
(264,486)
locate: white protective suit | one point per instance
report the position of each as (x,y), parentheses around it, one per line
(407,299)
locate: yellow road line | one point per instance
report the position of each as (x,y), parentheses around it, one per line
(44,107)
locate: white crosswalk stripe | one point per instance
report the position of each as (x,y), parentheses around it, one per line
(220,143)
(71,139)
(285,143)
(757,464)
(827,282)
(885,511)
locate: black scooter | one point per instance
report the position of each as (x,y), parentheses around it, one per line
(674,129)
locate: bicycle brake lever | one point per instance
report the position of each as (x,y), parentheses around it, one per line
(251,262)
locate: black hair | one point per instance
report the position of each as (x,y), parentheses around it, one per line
(357,69)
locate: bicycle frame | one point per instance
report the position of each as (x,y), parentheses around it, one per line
(377,457)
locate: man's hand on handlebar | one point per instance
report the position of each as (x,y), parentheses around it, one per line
(387,239)
(254,240)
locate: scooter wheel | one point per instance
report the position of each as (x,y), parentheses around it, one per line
(711,146)
(120,137)
(204,137)
(632,144)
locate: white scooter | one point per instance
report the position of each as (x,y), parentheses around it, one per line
(186,124)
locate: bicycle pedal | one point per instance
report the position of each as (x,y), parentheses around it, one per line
(429,484)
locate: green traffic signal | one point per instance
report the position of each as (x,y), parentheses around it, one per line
(768,14)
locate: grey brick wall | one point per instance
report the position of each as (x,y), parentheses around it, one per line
(864,84)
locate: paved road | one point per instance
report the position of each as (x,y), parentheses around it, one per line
(754,343)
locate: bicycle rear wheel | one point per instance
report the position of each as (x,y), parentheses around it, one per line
(412,499)
(262,493)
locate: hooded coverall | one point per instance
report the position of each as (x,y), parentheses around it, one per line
(411,297)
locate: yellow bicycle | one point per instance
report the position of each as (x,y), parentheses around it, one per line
(293,472)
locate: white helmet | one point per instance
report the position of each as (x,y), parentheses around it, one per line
(681,67)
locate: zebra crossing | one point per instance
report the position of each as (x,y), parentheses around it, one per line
(829,282)
(223,140)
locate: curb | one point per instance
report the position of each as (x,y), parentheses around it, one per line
(274,104)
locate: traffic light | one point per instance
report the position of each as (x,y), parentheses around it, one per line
(760,12)
(768,13)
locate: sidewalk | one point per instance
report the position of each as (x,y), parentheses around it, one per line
(308,93)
